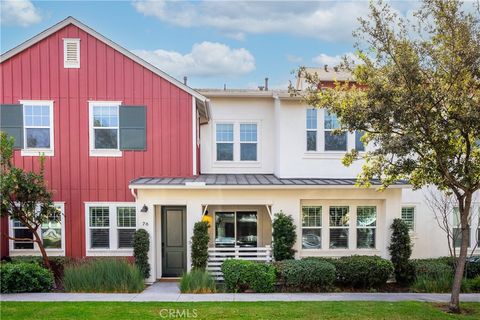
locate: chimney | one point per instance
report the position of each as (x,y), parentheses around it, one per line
(224,87)
(335,68)
(326,67)
(261,88)
(266,84)
(185,80)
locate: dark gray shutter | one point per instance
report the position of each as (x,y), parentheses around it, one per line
(11,122)
(133,128)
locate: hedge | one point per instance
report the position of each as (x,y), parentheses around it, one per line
(243,275)
(306,275)
(25,277)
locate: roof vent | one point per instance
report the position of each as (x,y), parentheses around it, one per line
(71,53)
(325,67)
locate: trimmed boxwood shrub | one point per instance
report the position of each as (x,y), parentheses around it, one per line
(200,241)
(400,249)
(141,246)
(243,275)
(306,275)
(433,268)
(25,277)
(284,237)
(363,271)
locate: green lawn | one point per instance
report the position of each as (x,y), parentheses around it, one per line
(231,310)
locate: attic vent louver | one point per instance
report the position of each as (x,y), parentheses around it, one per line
(71,53)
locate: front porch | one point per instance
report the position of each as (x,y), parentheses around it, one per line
(238,232)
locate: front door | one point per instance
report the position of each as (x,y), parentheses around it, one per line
(174,241)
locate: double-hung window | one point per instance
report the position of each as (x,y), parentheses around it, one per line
(359,146)
(457,229)
(110,226)
(224,141)
(312,129)
(408,216)
(366,227)
(38,127)
(104,128)
(248,142)
(337,141)
(126,226)
(311,227)
(51,232)
(339,224)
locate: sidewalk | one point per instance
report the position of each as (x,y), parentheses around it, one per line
(169,292)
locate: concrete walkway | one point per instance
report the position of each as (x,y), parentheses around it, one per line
(169,292)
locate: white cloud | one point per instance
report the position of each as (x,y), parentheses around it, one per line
(325,59)
(205,59)
(19,12)
(323,20)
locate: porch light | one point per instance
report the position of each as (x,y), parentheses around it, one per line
(144,208)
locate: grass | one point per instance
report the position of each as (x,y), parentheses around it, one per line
(232,310)
(103,275)
(197,281)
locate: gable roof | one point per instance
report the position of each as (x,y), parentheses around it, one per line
(70,20)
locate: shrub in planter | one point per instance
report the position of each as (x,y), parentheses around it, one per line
(25,277)
(141,246)
(284,237)
(363,271)
(197,281)
(400,251)
(243,275)
(103,275)
(306,275)
(200,240)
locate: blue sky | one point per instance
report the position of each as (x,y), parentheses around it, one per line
(212,42)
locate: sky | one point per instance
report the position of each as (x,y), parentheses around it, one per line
(213,43)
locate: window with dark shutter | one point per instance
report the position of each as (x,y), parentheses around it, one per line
(11,122)
(133,127)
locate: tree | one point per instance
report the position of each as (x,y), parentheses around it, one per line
(417,98)
(400,249)
(141,246)
(200,241)
(24,196)
(284,237)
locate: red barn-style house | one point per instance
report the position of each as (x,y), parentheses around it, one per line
(101,116)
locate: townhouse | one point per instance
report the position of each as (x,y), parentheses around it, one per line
(129,147)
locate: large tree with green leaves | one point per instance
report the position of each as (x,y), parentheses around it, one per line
(24,196)
(417,96)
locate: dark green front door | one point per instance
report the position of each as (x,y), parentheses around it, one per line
(174,241)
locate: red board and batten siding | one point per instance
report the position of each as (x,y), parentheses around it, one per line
(105,74)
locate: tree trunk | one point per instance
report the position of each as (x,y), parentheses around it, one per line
(46,262)
(464,210)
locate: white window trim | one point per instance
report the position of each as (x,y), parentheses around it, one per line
(113,234)
(366,227)
(66,64)
(320,227)
(36,251)
(48,152)
(313,130)
(321,153)
(235,211)
(348,227)
(102,152)
(236,162)
(415,210)
(474,226)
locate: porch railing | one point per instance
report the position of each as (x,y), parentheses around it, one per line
(216,256)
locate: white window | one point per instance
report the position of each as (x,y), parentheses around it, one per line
(312,227)
(248,142)
(339,224)
(224,141)
(312,124)
(359,146)
(333,142)
(110,227)
(37,127)
(104,128)
(457,229)
(366,227)
(408,216)
(51,232)
(236,229)
(237,142)
(71,53)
